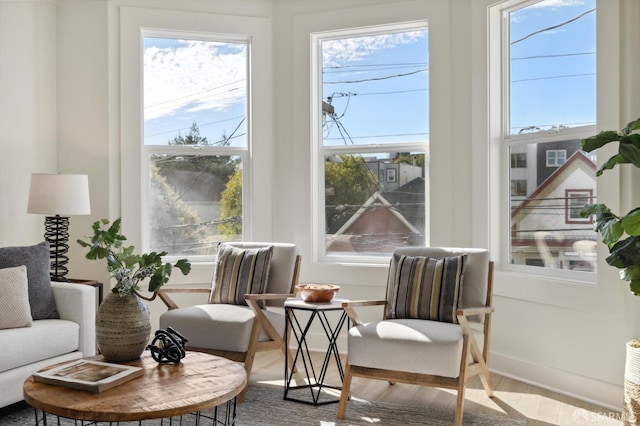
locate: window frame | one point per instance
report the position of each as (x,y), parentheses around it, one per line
(557,156)
(320,151)
(569,217)
(237,151)
(135,20)
(598,296)
(518,160)
(506,140)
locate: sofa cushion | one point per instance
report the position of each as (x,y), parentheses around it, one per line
(424,287)
(14,298)
(36,259)
(44,339)
(240,271)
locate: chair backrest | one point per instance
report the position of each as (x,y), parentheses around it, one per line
(283,271)
(475,281)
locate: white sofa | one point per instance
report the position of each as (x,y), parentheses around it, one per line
(50,341)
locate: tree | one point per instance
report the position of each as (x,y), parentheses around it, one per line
(350,183)
(175,227)
(230,219)
(192,138)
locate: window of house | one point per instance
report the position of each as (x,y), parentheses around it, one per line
(519,160)
(575,201)
(556,157)
(195,141)
(549,105)
(518,188)
(371,139)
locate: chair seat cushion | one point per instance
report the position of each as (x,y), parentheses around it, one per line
(218,326)
(398,343)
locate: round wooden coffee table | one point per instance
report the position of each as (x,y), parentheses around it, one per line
(200,382)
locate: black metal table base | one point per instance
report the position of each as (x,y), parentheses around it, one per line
(221,415)
(315,380)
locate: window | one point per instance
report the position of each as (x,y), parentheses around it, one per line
(556,157)
(549,76)
(575,201)
(372,131)
(195,141)
(519,160)
(518,188)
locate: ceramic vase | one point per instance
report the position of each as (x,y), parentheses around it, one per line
(123,326)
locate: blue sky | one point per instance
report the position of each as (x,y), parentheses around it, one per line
(553,74)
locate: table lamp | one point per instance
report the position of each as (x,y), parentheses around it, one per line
(58,196)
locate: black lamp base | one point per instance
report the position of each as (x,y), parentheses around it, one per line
(56,233)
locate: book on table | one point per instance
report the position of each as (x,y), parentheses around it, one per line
(88,375)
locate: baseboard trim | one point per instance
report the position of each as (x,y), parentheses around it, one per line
(598,392)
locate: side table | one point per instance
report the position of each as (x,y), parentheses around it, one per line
(315,381)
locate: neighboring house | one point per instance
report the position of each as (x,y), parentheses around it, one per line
(376,227)
(385,221)
(547,229)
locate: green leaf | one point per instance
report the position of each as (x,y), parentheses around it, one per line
(611,163)
(631,222)
(625,253)
(631,126)
(631,273)
(631,151)
(599,140)
(611,231)
(184,266)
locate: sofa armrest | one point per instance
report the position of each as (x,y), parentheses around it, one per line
(77,303)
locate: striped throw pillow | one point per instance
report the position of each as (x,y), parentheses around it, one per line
(240,271)
(425,288)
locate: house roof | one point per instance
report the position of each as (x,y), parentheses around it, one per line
(578,159)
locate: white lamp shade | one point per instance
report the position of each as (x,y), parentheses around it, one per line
(59,194)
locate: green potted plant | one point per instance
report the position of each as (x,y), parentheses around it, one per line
(621,234)
(123,322)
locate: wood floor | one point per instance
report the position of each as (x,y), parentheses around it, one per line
(512,398)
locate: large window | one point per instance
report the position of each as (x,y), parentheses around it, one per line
(549,104)
(195,141)
(372,133)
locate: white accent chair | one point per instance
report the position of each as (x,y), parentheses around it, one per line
(425,352)
(237,332)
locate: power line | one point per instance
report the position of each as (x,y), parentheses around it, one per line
(559,55)
(553,77)
(370,69)
(209,123)
(193,94)
(553,27)
(377,78)
(382,136)
(377,65)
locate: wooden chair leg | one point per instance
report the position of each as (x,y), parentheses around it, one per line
(457,420)
(344,393)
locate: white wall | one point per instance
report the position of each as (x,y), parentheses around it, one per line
(27,112)
(577,350)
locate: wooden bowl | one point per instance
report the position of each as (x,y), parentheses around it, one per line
(317,293)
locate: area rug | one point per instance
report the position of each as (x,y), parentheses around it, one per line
(264,405)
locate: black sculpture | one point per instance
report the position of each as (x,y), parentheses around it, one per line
(170,348)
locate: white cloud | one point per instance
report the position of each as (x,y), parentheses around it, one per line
(556,3)
(348,50)
(193,74)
